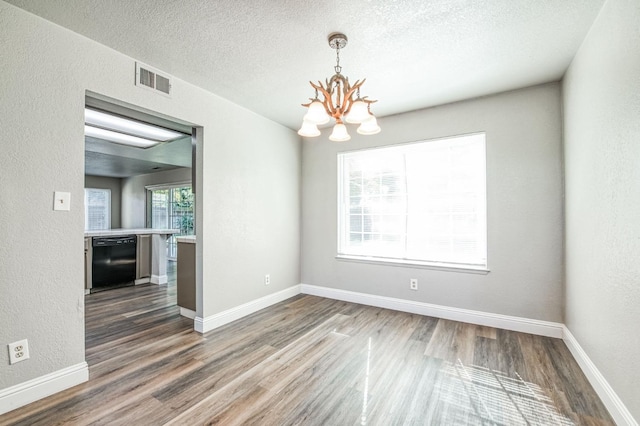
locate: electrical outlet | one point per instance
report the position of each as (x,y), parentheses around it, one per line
(413,284)
(267,279)
(18,351)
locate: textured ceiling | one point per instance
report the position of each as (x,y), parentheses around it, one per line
(414,53)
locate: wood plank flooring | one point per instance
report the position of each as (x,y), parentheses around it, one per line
(311,361)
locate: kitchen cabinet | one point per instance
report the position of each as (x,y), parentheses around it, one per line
(186,275)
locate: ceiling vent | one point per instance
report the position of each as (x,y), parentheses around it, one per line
(153,79)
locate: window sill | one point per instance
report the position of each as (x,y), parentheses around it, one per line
(414,264)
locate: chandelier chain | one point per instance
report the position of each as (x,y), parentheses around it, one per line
(337,68)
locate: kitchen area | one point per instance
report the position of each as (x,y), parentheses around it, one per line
(121,257)
(139,202)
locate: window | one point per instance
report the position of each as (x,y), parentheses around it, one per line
(172,208)
(97,209)
(422,203)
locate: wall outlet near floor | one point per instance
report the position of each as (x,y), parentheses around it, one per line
(18,351)
(267,279)
(413,284)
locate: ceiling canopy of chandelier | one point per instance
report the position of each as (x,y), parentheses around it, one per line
(340,101)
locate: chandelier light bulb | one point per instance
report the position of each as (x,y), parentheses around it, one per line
(359,112)
(308,129)
(316,113)
(339,133)
(369,126)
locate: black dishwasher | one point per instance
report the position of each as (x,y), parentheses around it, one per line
(114,262)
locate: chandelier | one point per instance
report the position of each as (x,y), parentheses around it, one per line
(338,102)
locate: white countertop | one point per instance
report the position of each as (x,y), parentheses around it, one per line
(132,231)
(191,239)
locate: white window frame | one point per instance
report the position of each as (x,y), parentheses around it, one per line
(107,212)
(171,241)
(346,249)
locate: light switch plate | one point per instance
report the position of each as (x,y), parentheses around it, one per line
(62,200)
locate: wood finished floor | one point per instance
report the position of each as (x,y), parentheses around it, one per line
(311,361)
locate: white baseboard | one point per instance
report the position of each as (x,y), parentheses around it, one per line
(609,398)
(43,386)
(159,279)
(142,281)
(524,325)
(187,313)
(202,325)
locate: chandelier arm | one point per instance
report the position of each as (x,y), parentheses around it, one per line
(327,102)
(364,99)
(339,101)
(343,93)
(349,95)
(309,103)
(332,85)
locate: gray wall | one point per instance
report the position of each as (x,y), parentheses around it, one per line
(252,223)
(525,226)
(134,194)
(247,225)
(113,184)
(602,162)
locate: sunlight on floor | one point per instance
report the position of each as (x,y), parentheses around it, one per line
(495,398)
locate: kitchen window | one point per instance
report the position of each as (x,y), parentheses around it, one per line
(171,207)
(97,209)
(422,203)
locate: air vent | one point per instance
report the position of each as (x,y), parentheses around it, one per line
(147,78)
(152,79)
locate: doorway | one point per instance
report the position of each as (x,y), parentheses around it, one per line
(128,172)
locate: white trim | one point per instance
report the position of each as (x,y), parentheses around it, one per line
(202,325)
(43,386)
(506,322)
(187,313)
(467,269)
(159,279)
(180,184)
(610,399)
(142,281)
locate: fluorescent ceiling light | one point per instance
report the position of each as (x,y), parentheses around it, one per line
(130,127)
(120,138)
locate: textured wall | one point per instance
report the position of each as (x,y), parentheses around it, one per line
(524,184)
(114,185)
(253,221)
(46,72)
(602,152)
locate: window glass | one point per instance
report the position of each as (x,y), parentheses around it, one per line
(423,202)
(172,208)
(97,209)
